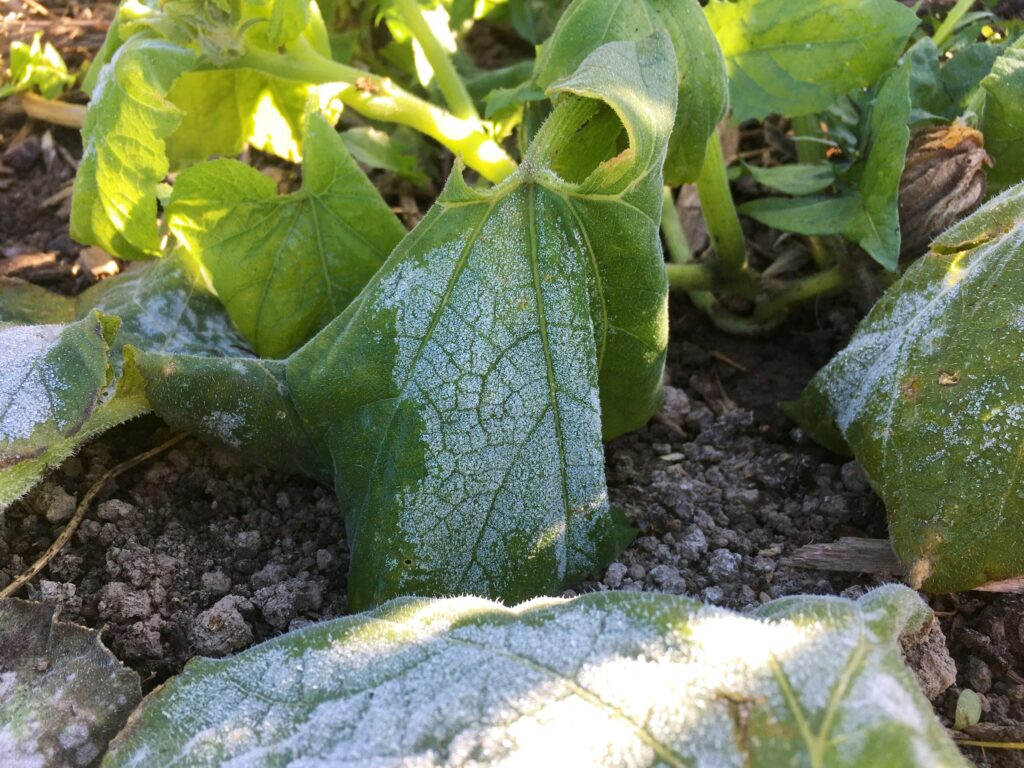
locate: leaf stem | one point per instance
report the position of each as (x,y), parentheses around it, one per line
(720,215)
(810,147)
(448,80)
(379,98)
(948,25)
(672,230)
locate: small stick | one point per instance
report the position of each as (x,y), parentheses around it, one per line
(83,507)
(990,744)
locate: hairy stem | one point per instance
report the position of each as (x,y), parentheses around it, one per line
(448,80)
(720,215)
(379,98)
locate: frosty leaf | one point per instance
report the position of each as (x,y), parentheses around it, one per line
(867,213)
(253,414)
(928,396)
(55,394)
(458,395)
(606,679)
(63,696)
(794,58)
(703,88)
(163,306)
(123,155)
(285,266)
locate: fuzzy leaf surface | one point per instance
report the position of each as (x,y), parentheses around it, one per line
(928,396)
(73,378)
(63,696)
(124,153)
(285,266)
(631,680)
(1002,116)
(794,57)
(458,395)
(703,85)
(867,213)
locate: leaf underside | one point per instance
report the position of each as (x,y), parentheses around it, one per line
(605,679)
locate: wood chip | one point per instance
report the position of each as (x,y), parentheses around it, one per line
(848,555)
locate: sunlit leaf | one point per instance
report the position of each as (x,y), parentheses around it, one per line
(36,66)
(794,57)
(285,266)
(606,679)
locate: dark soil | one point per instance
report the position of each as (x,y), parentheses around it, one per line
(196,552)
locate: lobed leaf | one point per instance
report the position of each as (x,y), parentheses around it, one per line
(605,679)
(285,266)
(928,396)
(63,696)
(794,58)
(703,87)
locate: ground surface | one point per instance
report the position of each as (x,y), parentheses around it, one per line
(196,552)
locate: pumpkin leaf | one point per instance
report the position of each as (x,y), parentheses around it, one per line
(613,678)
(63,696)
(703,87)
(124,153)
(1002,116)
(69,378)
(460,397)
(285,266)
(794,58)
(927,395)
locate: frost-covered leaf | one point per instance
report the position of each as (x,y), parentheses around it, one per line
(459,398)
(867,213)
(606,679)
(929,395)
(124,155)
(36,66)
(56,392)
(63,696)
(703,87)
(1002,116)
(285,266)
(163,306)
(458,395)
(794,57)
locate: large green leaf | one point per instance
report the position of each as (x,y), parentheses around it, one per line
(67,383)
(795,57)
(703,87)
(285,266)
(1002,116)
(56,392)
(606,679)
(928,396)
(459,398)
(63,696)
(124,155)
(867,213)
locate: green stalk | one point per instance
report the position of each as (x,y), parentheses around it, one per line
(720,215)
(948,25)
(448,80)
(769,314)
(379,98)
(811,149)
(683,272)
